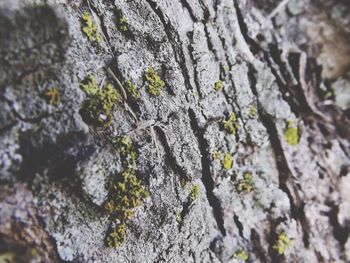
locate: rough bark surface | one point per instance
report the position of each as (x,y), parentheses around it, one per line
(280,62)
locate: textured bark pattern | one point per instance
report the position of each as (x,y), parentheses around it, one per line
(56,170)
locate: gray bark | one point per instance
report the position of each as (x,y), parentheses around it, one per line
(288,61)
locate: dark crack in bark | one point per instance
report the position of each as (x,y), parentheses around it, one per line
(206,175)
(173,38)
(284,171)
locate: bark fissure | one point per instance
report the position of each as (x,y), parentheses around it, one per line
(340,233)
(194,63)
(207,179)
(284,171)
(257,247)
(239,225)
(102,23)
(186,5)
(227,60)
(254,47)
(179,55)
(169,156)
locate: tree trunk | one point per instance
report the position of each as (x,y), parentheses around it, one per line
(174,131)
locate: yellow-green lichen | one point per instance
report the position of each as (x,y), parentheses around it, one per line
(101,101)
(328,95)
(230,124)
(216,155)
(132,90)
(7,257)
(195,192)
(227,161)
(241,254)
(253,111)
(123,24)
(52,95)
(218,85)
(127,193)
(184,181)
(291,134)
(178,216)
(89,28)
(155,84)
(282,243)
(25,254)
(246,184)
(117,236)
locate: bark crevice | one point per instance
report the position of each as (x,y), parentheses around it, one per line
(207,179)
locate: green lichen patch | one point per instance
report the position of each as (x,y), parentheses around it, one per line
(252,111)
(282,243)
(178,216)
(124,145)
(216,155)
(52,95)
(195,192)
(101,101)
(89,28)
(117,236)
(127,193)
(184,182)
(230,124)
(226,162)
(155,84)
(241,254)
(8,257)
(291,134)
(123,24)
(132,90)
(245,185)
(20,254)
(218,85)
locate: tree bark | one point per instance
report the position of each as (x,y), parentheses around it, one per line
(244,152)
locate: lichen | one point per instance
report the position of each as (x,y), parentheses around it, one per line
(8,257)
(291,134)
(253,111)
(226,162)
(20,254)
(101,101)
(123,24)
(216,155)
(52,96)
(282,243)
(132,90)
(241,254)
(218,85)
(246,184)
(127,193)
(117,236)
(230,124)
(127,151)
(194,192)
(328,95)
(184,181)
(154,83)
(89,28)
(178,216)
